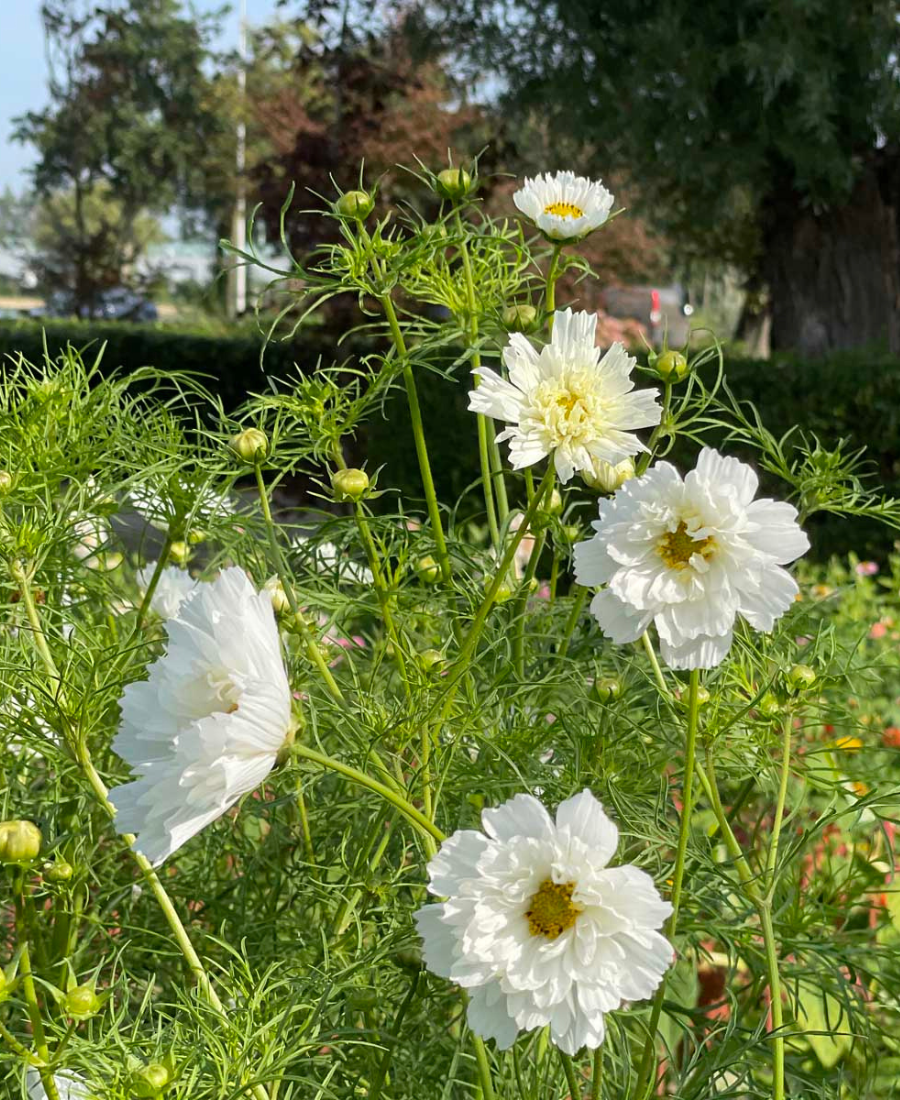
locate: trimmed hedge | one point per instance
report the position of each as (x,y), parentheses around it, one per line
(855,395)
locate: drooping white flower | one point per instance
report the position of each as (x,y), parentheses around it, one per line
(538,928)
(69,1086)
(166,506)
(566,400)
(564,206)
(690,555)
(92,533)
(206,726)
(173,588)
(326,558)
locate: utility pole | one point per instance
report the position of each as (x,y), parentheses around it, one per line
(237,276)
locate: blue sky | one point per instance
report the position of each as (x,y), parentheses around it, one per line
(23,72)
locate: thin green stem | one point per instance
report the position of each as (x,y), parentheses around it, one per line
(774,977)
(415,413)
(574,615)
(552,276)
(772,859)
(657,671)
(426,827)
(597,1074)
(521,613)
(29,991)
(161,564)
(576,1087)
(17,1048)
(484,1068)
(645,1072)
(380,1075)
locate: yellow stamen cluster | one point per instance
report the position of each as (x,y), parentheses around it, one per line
(551,910)
(564,210)
(677,547)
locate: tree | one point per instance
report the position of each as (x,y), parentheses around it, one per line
(128,115)
(764,132)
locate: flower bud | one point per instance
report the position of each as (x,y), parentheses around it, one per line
(355,204)
(571,532)
(251,445)
(453,183)
(801,677)
(608,478)
(606,690)
(179,552)
(769,706)
(520,318)
(431,660)
(20,841)
(408,958)
(81,1002)
(58,872)
(150,1080)
(350,484)
(550,507)
(428,569)
(274,589)
(6,482)
(672,366)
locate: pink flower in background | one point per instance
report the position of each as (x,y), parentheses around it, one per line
(867,568)
(878,630)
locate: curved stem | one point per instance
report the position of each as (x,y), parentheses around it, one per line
(654,661)
(29,991)
(687,809)
(574,615)
(161,564)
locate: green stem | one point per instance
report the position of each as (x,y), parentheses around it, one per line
(687,809)
(597,1074)
(381,1072)
(299,623)
(304,824)
(772,859)
(161,564)
(552,276)
(426,827)
(17,1048)
(415,413)
(574,615)
(774,977)
(29,991)
(576,1089)
(521,613)
(657,671)
(484,1068)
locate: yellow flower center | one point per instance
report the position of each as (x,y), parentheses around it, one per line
(551,911)
(564,210)
(677,547)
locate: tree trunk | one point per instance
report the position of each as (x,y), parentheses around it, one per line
(834,274)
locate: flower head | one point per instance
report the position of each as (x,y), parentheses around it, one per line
(564,206)
(690,555)
(538,928)
(172,589)
(206,726)
(566,399)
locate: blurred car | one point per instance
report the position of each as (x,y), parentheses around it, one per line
(663,311)
(118,303)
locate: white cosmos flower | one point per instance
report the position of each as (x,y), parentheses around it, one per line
(172,589)
(564,206)
(164,506)
(566,399)
(326,558)
(206,726)
(691,555)
(538,928)
(69,1086)
(92,532)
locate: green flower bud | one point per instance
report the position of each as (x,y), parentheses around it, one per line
(428,569)
(150,1080)
(431,660)
(20,841)
(608,478)
(355,204)
(81,1002)
(607,690)
(571,532)
(520,318)
(251,445)
(59,871)
(551,506)
(350,484)
(801,677)
(453,183)
(6,482)
(274,589)
(672,365)
(504,592)
(408,958)
(769,707)
(179,552)
(196,536)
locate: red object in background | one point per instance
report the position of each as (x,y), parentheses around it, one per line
(655,311)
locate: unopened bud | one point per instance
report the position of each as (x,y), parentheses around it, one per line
(179,552)
(150,1080)
(607,690)
(801,676)
(274,589)
(571,532)
(769,706)
(20,841)
(58,872)
(428,569)
(607,478)
(81,1002)
(6,482)
(672,366)
(355,204)
(520,318)
(431,660)
(350,484)
(453,183)
(251,445)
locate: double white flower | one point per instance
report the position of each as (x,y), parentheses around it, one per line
(206,727)
(537,928)
(691,555)
(564,206)
(172,589)
(566,400)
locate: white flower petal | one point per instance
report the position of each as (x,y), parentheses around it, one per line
(583,817)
